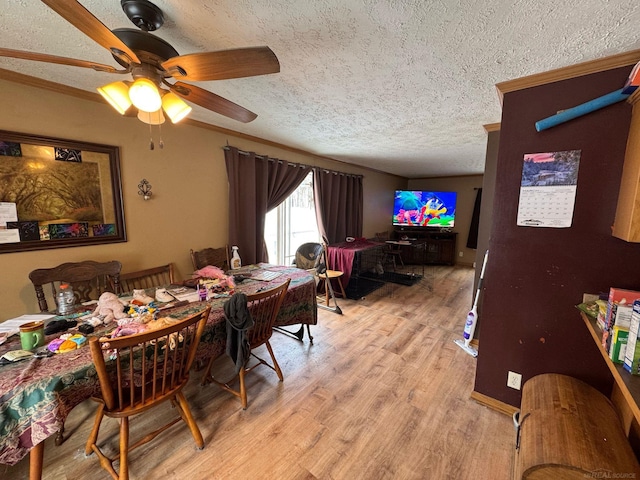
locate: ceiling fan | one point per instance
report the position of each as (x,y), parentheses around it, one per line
(152,62)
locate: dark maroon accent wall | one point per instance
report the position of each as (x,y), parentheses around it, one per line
(536,276)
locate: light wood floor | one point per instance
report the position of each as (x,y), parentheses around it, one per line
(383,393)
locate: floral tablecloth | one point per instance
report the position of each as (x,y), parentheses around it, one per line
(36,395)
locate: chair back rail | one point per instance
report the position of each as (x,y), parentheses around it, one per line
(160,368)
(89,280)
(264,307)
(149,278)
(218,257)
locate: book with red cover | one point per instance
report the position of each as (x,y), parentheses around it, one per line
(617,296)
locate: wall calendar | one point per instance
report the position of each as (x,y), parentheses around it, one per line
(548,189)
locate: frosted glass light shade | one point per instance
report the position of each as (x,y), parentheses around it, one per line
(145,95)
(175,108)
(117,94)
(151,118)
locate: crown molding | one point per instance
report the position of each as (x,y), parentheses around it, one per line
(572,71)
(28,80)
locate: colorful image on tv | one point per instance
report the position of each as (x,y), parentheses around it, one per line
(412,208)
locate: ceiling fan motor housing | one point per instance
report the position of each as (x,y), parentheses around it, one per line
(148,47)
(144,14)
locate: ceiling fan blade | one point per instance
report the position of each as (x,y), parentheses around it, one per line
(223,64)
(42,57)
(81,18)
(212,102)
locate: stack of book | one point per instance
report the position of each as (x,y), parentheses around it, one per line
(617,322)
(632,355)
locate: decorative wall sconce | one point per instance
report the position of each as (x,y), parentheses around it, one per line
(144,189)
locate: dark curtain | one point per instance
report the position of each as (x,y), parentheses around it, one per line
(472,239)
(338,201)
(257,184)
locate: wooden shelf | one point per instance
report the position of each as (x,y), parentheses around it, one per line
(626,392)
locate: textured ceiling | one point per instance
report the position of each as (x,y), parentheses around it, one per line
(401,86)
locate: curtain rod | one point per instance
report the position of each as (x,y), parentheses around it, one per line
(301,165)
(266,157)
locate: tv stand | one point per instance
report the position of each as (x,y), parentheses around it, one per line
(430,247)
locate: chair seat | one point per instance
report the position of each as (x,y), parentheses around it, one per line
(328,276)
(331,274)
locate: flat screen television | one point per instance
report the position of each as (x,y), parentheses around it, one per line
(424,208)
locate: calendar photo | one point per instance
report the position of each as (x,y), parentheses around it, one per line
(548,189)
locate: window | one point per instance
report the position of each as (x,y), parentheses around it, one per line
(291,224)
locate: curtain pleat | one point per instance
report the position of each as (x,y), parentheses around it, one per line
(257,184)
(338,202)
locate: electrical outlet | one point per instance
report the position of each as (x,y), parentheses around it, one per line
(514,380)
(461,254)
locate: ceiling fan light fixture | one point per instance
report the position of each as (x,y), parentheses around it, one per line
(117,94)
(144,94)
(175,108)
(151,118)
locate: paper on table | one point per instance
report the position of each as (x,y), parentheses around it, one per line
(183,293)
(12,325)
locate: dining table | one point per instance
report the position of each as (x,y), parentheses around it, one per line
(37,394)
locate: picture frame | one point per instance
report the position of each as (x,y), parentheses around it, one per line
(57,193)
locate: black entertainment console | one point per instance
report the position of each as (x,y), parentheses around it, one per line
(427,247)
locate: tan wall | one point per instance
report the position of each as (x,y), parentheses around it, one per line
(466,188)
(189,208)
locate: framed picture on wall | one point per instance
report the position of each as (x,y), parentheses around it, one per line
(57,193)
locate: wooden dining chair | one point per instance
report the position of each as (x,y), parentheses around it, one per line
(218,257)
(149,278)
(264,308)
(88,279)
(159,371)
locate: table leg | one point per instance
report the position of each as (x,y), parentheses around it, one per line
(36,456)
(299,334)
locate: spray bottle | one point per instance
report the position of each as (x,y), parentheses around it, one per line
(235,258)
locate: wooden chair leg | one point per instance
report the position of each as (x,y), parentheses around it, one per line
(275,362)
(206,377)
(93,436)
(344,295)
(243,388)
(124,449)
(60,436)
(189,420)
(326,290)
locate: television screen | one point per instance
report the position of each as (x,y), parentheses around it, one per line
(413,208)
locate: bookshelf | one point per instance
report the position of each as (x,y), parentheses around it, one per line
(625,393)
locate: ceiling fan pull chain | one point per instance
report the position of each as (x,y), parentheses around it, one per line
(160,143)
(151,145)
